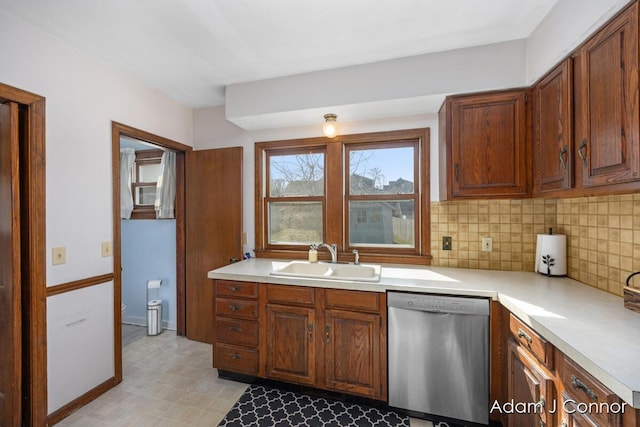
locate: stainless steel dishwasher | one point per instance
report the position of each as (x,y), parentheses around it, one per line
(439,355)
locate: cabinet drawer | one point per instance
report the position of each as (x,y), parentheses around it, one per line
(236,331)
(236,308)
(231,288)
(352,300)
(299,295)
(583,389)
(236,359)
(538,346)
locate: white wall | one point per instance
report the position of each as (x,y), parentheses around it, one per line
(565,27)
(82,96)
(212,130)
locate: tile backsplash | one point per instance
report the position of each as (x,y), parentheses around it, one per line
(603,235)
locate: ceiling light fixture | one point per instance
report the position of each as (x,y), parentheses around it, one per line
(330,127)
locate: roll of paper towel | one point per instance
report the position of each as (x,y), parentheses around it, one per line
(551,254)
(154,284)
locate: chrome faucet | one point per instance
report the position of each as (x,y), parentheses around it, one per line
(333,250)
(356,257)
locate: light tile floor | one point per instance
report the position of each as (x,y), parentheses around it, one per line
(167,381)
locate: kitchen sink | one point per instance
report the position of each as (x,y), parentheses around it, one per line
(330,271)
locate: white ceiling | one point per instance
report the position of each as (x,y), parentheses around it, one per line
(191,49)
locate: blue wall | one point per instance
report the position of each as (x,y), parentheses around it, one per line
(148,252)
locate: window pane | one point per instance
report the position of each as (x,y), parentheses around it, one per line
(382,223)
(295,222)
(296,175)
(145,196)
(149,172)
(381,171)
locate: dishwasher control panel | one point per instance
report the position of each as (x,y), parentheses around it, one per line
(438,303)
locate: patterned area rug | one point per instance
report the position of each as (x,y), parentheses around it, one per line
(262,406)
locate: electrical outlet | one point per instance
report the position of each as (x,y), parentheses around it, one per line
(107,249)
(59,255)
(446,243)
(487,244)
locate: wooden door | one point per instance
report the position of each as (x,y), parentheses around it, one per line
(552,130)
(352,352)
(213,220)
(291,338)
(609,144)
(488,145)
(530,386)
(10,291)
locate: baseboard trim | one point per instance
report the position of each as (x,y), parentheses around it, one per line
(66,410)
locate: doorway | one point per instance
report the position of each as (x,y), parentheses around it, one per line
(120,132)
(148,243)
(23,359)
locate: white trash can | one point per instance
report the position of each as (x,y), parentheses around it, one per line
(154,317)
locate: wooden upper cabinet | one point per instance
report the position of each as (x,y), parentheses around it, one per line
(608,150)
(486,145)
(553,130)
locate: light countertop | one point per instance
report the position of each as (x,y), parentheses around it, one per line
(590,326)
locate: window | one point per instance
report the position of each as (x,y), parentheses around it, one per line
(365,191)
(295,197)
(143,184)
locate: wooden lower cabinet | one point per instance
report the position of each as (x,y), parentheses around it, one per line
(352,352)
(291,343)
(530,388)
(544,387)
(325,338)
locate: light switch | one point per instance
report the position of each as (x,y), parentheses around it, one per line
(107,249)
(59,255)
(244,238)
(487,244)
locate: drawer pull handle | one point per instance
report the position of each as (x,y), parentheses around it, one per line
(523,334)
(235,328)
(235,356)
(310,332)
(234,288)
(234,307)
(579,385)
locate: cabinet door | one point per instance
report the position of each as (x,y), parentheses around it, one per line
(352,352)
(552,130)
(609,145)
(291,339)
(530,386)
(488,145)
(573,416)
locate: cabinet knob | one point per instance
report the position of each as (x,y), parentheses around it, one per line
(327,334)
(310,332)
